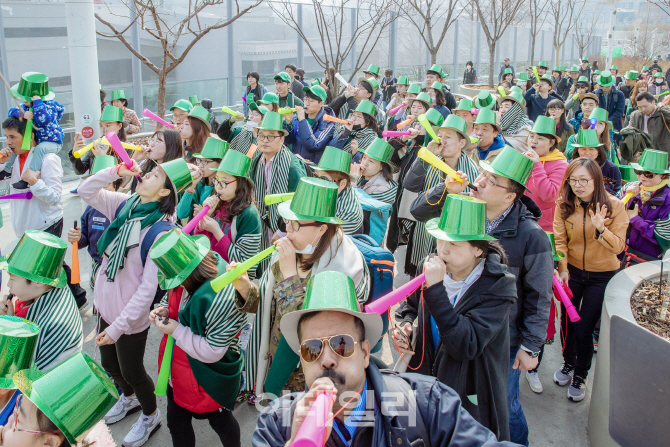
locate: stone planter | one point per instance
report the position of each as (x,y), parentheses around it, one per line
(467,90)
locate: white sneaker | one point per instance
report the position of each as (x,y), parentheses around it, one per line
(122,408)
(534,382)
(142,430)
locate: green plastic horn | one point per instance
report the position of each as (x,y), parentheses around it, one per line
(166,364)
(222,281)
(27,134)
(501,90)
(229,111)
(429,129)
(271,199)
(474,140)
(286,111)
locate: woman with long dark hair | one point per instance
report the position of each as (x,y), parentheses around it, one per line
(163,146)
(589,143)
(439,102)
(194,132)
(590,230)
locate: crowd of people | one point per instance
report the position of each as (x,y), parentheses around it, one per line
(555,174)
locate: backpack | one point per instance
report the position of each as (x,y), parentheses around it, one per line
(380,263)
(376,214)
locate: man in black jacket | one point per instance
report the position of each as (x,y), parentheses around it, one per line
(512,219)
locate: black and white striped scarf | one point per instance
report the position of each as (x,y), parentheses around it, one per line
(242,141)
(514,120)
(365,137)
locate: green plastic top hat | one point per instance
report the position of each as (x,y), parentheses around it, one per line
(273,121)
(547,78)
(658,74)
(437,85)
(421,97)
(372,83)
(176,254)
(193,99)
(235,163)
(487,116)
(516,88)
(75,395)
(402,80)
(523,77)
(484,100)
(330,291)
(366,107)
(315,82)
(283,77)
(583,80)
(33,84)
(261,109)
(455,122)
(510,163)
(507,71)
(542,64)
(177,171)
(334,159)
(434,117)
(627,173)
(653,161)
(614,67)
(585,59)
(513,96)
(601,115)
(38,257)
(632,75)
(380,150)
(414,89)
(317,91)
(645,68)
(557,255)
(314,199)
(112,114)
(436,69)
(101,162)
(574,68)
(463,219)
(605,79)
(372,69)
(18,340)
(544,125)
(562,68)
(213,148)
(598,72)
(269,98)
(587,138)
(557,68)
(118,94)
(201,113)
(100,86)
(182,104)
(466,104)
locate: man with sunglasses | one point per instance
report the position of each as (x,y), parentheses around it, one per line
(370,408)
(511,217)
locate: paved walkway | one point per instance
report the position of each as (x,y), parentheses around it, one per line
(553,420)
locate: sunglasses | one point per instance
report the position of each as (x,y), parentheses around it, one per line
(342,345)
(646,174)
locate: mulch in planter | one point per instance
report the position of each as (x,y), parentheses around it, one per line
(646,308)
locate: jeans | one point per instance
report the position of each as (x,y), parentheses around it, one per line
(588,290)
(518,427)
(77,290)
(43,148)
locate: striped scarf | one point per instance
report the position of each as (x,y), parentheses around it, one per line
(242,141)
(365,137)
(349,210)
(514,120)
(345,112)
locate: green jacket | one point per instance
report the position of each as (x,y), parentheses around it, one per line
(290,101)
(185,207)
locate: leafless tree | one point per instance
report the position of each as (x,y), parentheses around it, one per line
(495,17)
(429,16)
(337,36)
(585,32)
(169,27)
(563,15)
(663,5)
(537,13)
(640,48)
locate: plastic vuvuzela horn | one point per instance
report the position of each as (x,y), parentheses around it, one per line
(22,195)
(501,90)
(151,115)
(166,365)
(394,133)
(429,127)
(189,227)
(405,123)
(231,275)
(27,134)
(286,110)
(120,151)
(428,156)
(384,303)
(332,119)
(312,431)
(627,197)
(569,307)
(341,79)
(394,110)
(230,112)
(103,140)
(74,275)
(537,75)
(271,199)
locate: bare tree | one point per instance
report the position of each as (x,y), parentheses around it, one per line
(336,33)
(428,16)
(585,32)
(663,5)
(563,14)
(169,27)
(537,14)
(640,48)
(495,17)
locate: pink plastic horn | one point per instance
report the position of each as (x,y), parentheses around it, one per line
(312,432)
(572,312)
(384,303)
(189,227)
(120,151)
(22,195)
(151,115)
(395,133)
(395,109)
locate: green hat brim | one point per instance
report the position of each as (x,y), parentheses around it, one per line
(463,134)
(351,177)
(7,383)
(638,167)
(559,255)
(285,211)
(15,91)
(487,167)
(58,283)
(432,226)
(583,145)
(509,98)
(608,84)
(202,242)
(283,131)
(364,152)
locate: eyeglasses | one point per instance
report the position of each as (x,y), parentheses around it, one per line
(268,138)
(222,185)
(491,181)
(579,181)
(295,225)
(203,161)
(16,420)
(323,177)
(342,345)
(646,174)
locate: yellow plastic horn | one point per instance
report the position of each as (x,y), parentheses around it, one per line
(501,90)
(229,111)
(429,157)
(627,197)
(103,140)
(429,128)
(271,199)
(537,75)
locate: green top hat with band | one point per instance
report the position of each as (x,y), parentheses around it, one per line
(456,123)
(269,98)
(516,88)
(466,104)
(213,148)
(402,80)
(557,255)
(261,109)
(235,163)
(614,67)
(112,114)
(18,340)
(372,69)
(463,218)
(523,77)
(176,254)
(317,91)
(33,84)
(557,68)
(659,75)
(434,117)
(510,163)
(380,150)
(75,395)
(513,96)
(177,171)
(372,82)
(487,116)
(606,79)
(652,161)
(627,174)
(436,69)
(437,85)
(582,80)
(201,113)
(273,121)
(38,257)
(507,71)
(574,68)
(283,77)
(542,64)
(193,99)
(316,82)
(562,68)
(484,100)
(101,162)
(366,107)
(330,291)
(414,89)
(645,68)
(314,199)
(182,104)
(547,78)
(545,125)
(632,75)
(585,59)
(601,115)
(597,72)
(334,159)
(118,94)
(587,138)
(421,97)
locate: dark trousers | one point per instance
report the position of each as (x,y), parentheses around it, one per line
(76,289)
(588,290)
(181,429)
(124,361)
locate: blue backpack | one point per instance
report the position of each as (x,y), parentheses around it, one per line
(376,214)
(380,264)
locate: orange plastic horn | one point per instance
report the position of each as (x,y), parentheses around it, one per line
(332,119)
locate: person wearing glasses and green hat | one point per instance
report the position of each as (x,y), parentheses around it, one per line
(359,133)
(130,121)
(180,110)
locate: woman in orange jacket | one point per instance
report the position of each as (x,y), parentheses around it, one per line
(590,229)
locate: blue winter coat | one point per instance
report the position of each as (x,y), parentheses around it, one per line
(46,116)
(616,105)
(93,224)
(310,141)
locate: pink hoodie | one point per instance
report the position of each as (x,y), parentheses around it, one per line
(545,182)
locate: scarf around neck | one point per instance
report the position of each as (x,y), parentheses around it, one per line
(553,156)
(647,191)
(514,120)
